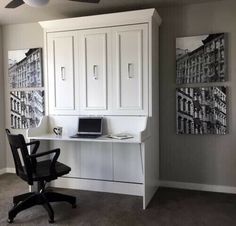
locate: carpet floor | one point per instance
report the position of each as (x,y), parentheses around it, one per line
(169,207)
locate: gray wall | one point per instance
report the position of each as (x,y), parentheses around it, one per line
(21,36)
(2,111)
(200,159)
(207,159)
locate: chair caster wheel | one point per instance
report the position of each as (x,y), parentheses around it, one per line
(51,221)
(10,221)
(74,206)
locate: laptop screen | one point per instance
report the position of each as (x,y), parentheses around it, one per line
(90,126)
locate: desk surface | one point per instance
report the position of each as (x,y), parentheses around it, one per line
(104,138)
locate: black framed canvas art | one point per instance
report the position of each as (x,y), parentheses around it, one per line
(201,110)
(27,108)
(201,59)
(25,68)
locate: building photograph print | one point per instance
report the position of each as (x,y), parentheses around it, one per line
(25,68)
(26,87)
(200,59)
(201,110)
(27,108)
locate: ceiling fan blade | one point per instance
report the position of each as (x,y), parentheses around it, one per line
(14,4)
(89,1)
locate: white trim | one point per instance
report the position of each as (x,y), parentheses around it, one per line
(98,185)
(199,187)
(7,170)
(10,170)
(2,171)
(102,20)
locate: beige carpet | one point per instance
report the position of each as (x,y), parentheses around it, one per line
(170,207)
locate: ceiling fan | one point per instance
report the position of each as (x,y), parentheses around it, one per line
(37,3)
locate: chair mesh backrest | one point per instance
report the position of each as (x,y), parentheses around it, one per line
(18,144)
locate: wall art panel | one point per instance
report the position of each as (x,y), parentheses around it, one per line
(201,110)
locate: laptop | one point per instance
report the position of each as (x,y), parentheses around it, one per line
(89,127)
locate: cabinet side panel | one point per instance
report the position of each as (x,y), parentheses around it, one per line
(152,145)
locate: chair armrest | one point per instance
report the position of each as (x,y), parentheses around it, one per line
(36,143)
(57,151)
(54,160)
(33,142)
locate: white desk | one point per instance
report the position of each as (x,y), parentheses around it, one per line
(125,166)
(49,136)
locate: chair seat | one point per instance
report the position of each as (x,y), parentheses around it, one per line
(43,171)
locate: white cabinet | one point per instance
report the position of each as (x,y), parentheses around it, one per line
(114,70)
(130,69)
(95,70)
(106,65)
(62,73)
(99,71)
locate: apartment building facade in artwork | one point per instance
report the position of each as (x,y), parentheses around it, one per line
(27,108)
(207,63)
(27,72)
(201,110)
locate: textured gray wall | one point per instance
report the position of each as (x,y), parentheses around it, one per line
(2,111)
(20,36)
(207,159)
(188,158)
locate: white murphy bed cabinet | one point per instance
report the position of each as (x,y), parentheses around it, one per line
(102,71)
(104,65)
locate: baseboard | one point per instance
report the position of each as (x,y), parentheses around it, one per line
(2,171)
(10,170)
(135,189)
(131,189)
(198,187)
(7,170)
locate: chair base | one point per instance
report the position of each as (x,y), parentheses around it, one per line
(27,200)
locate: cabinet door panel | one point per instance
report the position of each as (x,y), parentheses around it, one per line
(61,72)
(69,155)
(130,49)
(96,160)
(95,67)
(127,163)
(64,73)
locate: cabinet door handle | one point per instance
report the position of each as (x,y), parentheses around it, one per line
(63,76)
(95,72)
(129,70)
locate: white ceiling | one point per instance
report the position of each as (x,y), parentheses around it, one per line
(57,9)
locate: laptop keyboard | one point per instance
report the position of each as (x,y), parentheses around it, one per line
(86,136)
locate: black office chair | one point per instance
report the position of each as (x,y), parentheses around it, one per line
(31,170)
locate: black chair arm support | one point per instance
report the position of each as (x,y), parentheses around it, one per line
(54,160)
(57,151)
(36,144)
